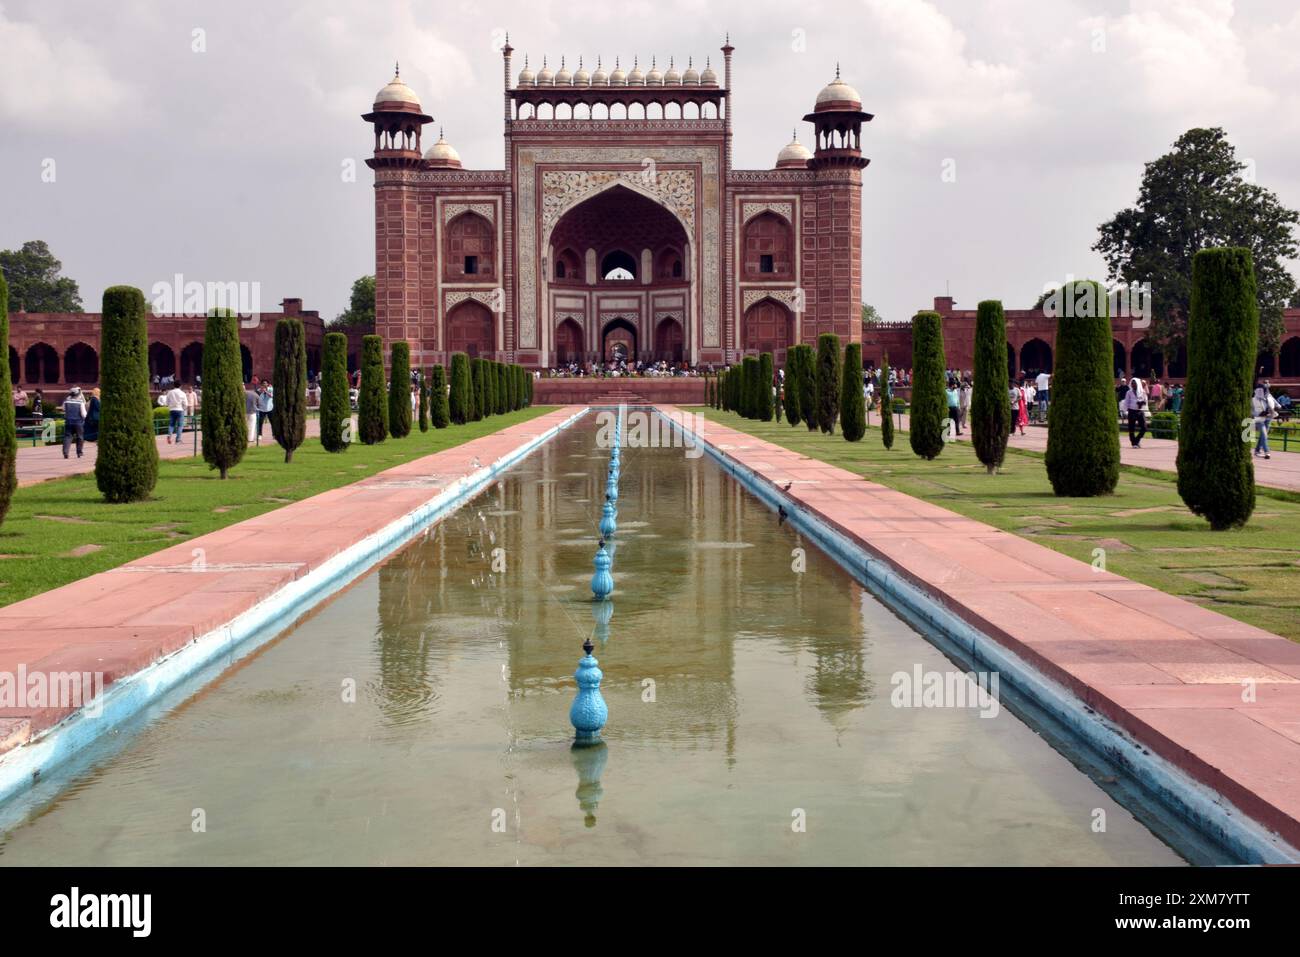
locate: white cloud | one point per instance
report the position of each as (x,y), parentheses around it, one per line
(51,83)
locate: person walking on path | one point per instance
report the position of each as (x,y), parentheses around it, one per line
(1135,404)
(92,417)
(74,421)
(250,410)
(1042,387)
(1019,412)
(176,403)
(1264,408)
(954,407)
(967,389)
(265,403)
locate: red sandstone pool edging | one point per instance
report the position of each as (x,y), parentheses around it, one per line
(1168,672)
(121,621)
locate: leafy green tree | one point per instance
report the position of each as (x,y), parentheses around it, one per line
(886,405)
(1216,477)
(764,390)
(126,467)
(372,403)
(289,386)
(792,411)
(853,405)
(1082,439)
(460,403)
(1198,196)
(424,402)
(399,391)
(360,313)
(335,396)
(439,416)
(8,428)
(34,281)
(870,317)
(828,382)
(929,405)
(990,415)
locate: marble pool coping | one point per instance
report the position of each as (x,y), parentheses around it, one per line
(146,626)
(1136,671)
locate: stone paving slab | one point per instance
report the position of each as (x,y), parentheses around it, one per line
(1169,672)
(121,621)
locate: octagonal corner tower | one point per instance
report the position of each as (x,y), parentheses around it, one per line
(618,227)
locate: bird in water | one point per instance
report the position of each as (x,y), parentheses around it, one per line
(782,513)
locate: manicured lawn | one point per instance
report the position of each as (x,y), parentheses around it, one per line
(1252,574)
(59,531)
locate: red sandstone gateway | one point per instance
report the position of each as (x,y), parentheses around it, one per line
(618,226)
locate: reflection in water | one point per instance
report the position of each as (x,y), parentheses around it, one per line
(589,762)
(769,678)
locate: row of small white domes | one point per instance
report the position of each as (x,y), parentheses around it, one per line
(562,77)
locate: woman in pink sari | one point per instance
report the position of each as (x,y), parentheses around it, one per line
(1022,411)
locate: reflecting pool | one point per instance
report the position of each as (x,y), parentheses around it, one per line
(421,715)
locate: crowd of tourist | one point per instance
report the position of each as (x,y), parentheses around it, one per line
(621,368)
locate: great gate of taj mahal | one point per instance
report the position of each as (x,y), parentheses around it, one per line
(618,227)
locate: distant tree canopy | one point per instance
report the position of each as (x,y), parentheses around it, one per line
(1198,196)
(34,281)
(870,317)
(360,312)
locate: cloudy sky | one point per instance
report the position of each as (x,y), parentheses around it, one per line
(209,139)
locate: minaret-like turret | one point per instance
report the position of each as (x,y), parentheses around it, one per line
(837,118)
(398,121)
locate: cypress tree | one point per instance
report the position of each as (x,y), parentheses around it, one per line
(990,415)
(828,381)
(807,373)
(792,411)
(372,403)
(708,391)
(929,398)
(399,391)
(528,387)
(512,387)
(853,406)
(424,402)
(225,424)
(8,427)
(460,408)
(439,416)
(479,409)
(289,386)
(766,370)
(126,468)
(1082,441)
(749,400)
(503,388)
(335,401)
(1216,477)
(489,395)
(886,405)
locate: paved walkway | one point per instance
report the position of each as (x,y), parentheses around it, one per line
(1281,471)
(121,621)
(40,463)
(1169,672)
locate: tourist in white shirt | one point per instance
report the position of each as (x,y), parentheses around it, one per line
(177,403)
(1043,384)
(1135,404)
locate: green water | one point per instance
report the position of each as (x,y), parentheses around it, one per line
(750,712)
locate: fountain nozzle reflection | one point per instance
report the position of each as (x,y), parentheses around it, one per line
(590,764)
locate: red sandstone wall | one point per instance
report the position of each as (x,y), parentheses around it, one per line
(684,391)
